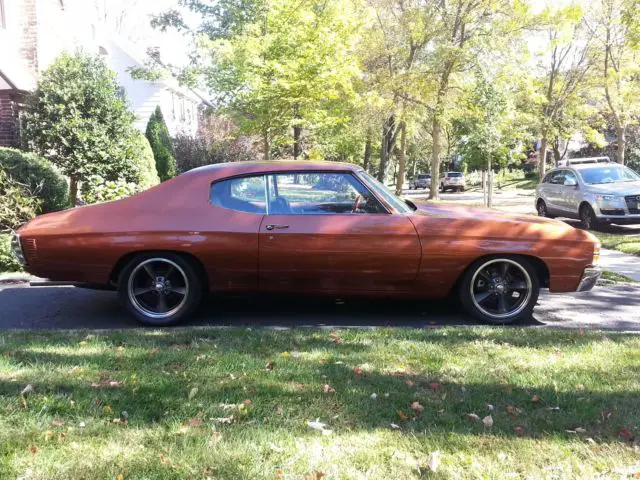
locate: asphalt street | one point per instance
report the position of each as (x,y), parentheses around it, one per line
(63,307)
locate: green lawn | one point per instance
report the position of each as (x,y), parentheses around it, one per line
(616,277)
(233,403)
(623,242)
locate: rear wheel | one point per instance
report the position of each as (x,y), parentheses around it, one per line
(500,290)
(588,219)
(160,289)
(543,210)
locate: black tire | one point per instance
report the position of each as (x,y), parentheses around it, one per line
(478,298)
(543,210)
(145,273)
(588,219)
(442,189)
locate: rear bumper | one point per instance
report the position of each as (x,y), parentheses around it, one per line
(589,278)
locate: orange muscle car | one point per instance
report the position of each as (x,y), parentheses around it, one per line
(303,227)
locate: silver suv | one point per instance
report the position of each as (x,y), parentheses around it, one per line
(593,192)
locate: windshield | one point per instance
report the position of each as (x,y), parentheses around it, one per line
(610,174)
(383,192)
(423,177)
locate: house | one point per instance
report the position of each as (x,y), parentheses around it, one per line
(34,32)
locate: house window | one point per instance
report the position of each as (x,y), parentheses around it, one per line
(3,23)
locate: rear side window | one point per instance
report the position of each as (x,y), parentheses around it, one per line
(244,194)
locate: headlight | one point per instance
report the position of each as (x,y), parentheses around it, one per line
(16,246)
(610,201)
(596,254)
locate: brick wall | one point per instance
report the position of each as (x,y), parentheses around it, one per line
(11,101)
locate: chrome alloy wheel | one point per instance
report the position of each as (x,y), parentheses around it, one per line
(501,288)
(158,288)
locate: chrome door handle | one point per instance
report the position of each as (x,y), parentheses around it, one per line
(276,227)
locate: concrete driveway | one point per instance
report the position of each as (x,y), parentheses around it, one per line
(24,307)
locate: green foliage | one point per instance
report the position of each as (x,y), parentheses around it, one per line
(196,152)
(145,174)
(8,261)
(97,190)
(79,119)
(158,135)
(39,175)
(18,204)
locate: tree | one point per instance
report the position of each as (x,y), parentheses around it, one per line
(619,31)
(158,135)
(565,63)
(78,119)
(279,68)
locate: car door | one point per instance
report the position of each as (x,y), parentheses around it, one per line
(553,191)
(571,195)
(326,232)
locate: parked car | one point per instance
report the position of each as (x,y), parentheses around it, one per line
(263,227)
(422,180)
(596,193)
(454,181)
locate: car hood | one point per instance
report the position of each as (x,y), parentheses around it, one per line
(497,223)
(618,188)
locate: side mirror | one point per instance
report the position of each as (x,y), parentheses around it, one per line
(570,182)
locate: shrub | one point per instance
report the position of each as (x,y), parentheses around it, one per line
(97,190)
(39,175)
(79,120)
(196,152)
(17,203)
(145,173)
(158,135)
(8,261)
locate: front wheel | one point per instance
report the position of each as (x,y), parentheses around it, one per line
(588,219)
(160,289)
(500,290)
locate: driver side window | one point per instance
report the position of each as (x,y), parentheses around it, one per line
(317,193)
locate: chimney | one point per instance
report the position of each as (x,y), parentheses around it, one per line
(29,36)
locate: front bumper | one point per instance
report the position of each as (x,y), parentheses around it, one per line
(620,219)
(589,278)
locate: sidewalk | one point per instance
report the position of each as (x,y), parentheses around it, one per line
(621,263)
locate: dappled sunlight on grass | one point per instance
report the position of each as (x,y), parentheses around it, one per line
(234,403)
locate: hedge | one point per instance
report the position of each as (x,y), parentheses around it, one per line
(40,177)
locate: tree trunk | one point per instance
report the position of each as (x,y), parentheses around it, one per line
(367,152)
(542,161)
(297,146)
(621,131)
(401,158)
(266,145)
(73,190)
(436,134)
(557,156)
(490,183)
(388,139)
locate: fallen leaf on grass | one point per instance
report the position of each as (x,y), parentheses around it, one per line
(490,407)
(434,461)
(519,431)
(269,365)
(315,476)
(56,423)
(473,416)
(625,434)
(535,399)
(227,420)
(120,477)
(335,338)
(154,350)
(328,388)
(409,383)
(27,390)
(417,408)
(107,409)
(193,392)
(488,421)
(393,426)
(402,415)
(62,437)
(33,449)
(357,371)
(435,386)
(164,460)
(195,422)
(285,354)
(581,430)
(373,396)
(215,438)
(276,448)
(49,434)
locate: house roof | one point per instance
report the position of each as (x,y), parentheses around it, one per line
(13,74)
(143,60)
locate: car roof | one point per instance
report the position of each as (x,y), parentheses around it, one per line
(263,166)
(587,166)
